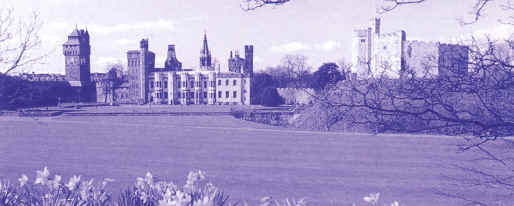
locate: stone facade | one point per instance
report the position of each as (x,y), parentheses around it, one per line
(77,51)
(391,55)
(433,59)
(176,85)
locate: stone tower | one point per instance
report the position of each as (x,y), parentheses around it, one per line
(140,63)
(77,51)
(364,46)
(248,68)
(172,63)
(205,54)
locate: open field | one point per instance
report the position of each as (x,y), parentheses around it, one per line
(247,160)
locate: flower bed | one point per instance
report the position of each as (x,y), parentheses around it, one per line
(147,191)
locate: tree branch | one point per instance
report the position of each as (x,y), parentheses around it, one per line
(254,4)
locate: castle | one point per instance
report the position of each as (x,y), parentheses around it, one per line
(391,55)
(176,85)
(146,83)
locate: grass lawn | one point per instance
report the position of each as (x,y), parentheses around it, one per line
(247,160)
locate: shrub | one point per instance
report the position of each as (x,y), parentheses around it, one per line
(270,97)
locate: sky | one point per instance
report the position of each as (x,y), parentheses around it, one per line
(321,30)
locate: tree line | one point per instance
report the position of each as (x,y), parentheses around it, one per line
(16,93)
(293,72)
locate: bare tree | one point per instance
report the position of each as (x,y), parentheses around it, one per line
(19,40)
(477,104)
(296,69)
(112,79)
(479,6)
(254,4)
(345,67)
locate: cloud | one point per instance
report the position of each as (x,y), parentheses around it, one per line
(148,25)
(299,46)
(330,45)
(502,31)
(99,29)
(290,47)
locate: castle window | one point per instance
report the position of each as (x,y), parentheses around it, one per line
(151,84)
(219,82)
(219,94)
(178,94)
(234,94)
(205,84)
(227,94)
(235,82)
(166,95)
(226,82)
(165,84)
(204,94)
(192,84)
(158,95)
(363,40)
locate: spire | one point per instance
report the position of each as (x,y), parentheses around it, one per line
(205,55)
(205,49)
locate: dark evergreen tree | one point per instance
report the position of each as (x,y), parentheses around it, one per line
(270,97)
(327,74)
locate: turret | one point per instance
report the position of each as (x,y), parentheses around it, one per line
(248,69)
(172,62)
(77,57)
(143,44)
(376,25)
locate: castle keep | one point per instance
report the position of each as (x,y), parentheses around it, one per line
(173,84)
(77,52)
(392,55)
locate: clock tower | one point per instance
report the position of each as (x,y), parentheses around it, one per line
(77,56)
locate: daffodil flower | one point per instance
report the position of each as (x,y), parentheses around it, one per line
(42,176)
(372,198)
(395,203)
(23,180)
(55,182)
(72,183)
(149,178)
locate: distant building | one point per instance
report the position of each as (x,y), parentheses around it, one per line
(392,55)
(176,85)
(42,77)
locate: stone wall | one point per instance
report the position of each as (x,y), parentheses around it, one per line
(422,58)
(296,95)
(388,54)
